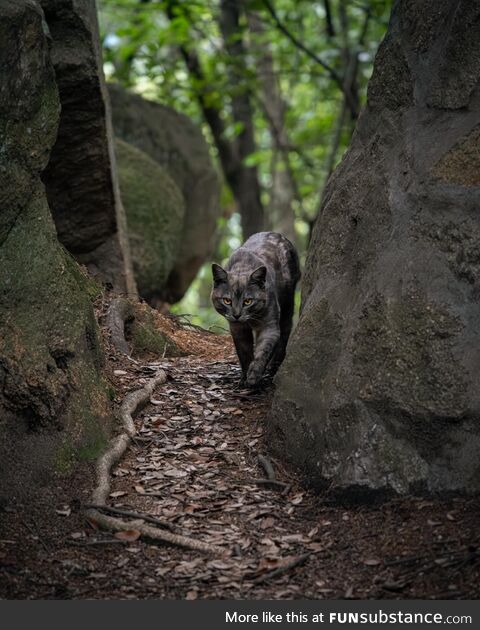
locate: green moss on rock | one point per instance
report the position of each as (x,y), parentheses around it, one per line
(155,210)
(146,337)
(51,389)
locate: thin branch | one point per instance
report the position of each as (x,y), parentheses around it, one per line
(267,466)
(299,44)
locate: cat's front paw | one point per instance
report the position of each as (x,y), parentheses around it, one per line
(253,379)
(242,382)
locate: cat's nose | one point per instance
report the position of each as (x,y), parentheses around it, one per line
(237,315)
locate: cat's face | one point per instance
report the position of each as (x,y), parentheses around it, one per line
(239,297)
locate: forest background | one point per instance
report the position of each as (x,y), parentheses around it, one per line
(277,89)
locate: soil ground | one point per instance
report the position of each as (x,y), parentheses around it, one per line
(195,466)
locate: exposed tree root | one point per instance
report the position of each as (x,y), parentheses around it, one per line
(135,515)
(120,310)
(153,533)
(131,404)
(267,466)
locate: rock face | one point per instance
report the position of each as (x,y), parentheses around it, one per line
(172,140)
(80,177)
(52,403)
(380,390)
(155,212)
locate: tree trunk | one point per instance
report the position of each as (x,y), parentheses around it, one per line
(282,190)
(245,184)
(242,180)
(380,390)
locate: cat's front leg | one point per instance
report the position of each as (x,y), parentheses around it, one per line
(243,339)
(266,341)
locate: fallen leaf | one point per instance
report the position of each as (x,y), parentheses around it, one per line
(191,595)
(175,472)
(129,535)
(372,562)
(266,523)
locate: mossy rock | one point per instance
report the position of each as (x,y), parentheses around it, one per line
(146,337)
(380,389)
(52,394)
(155,210)
(178,145)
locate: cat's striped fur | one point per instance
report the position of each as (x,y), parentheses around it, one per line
(255,293)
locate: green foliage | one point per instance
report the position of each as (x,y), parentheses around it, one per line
(142,47)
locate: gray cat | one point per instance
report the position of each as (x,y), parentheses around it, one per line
(255,293)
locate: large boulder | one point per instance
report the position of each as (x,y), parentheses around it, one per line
(80,177)
(53,406)
(155,211)
(380,390)
(172,140)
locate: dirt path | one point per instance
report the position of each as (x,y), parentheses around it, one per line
(195,466)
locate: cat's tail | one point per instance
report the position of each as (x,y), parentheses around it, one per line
(293,262)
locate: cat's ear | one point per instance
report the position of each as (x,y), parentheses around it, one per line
(219,274)
(258,276)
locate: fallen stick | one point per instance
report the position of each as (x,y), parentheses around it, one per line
(267,467)
(95,543)
(268,482)
(131,514)
(153,533)
(283,569)
(131,404)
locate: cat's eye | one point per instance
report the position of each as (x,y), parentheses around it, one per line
(227,301)
(248,301)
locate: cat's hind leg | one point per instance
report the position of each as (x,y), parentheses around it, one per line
(286,317)
(242,336)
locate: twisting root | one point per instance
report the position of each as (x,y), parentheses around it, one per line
(120,310)
(131,404)
(153,533)
(267,466)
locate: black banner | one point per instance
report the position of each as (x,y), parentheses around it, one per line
(216,615)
